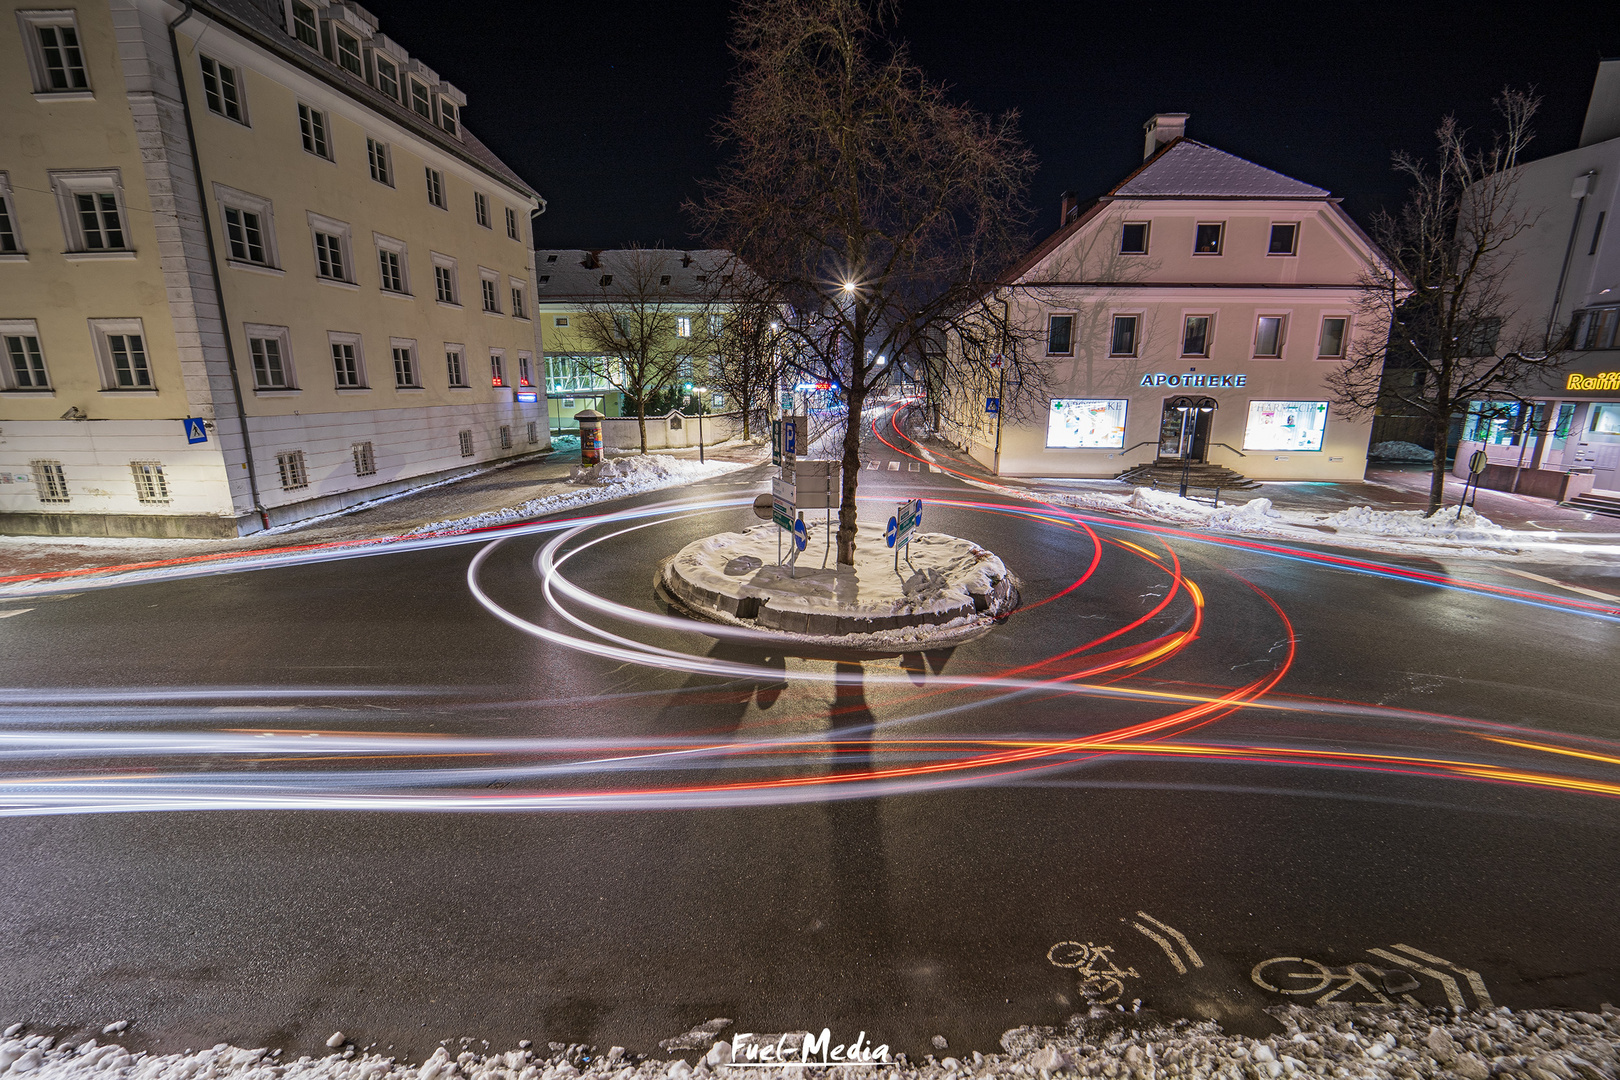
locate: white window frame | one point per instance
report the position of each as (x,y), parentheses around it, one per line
(481,211)
(683,326)
(433,179)
(315,123)
(497,368)
(22,328)
(342,337)
(559,320)
(282,336)
(534,432)
(1344,342)
(101,331)
(413,85)
(397,247)
(1074,323)
(505,436)
(338,34)
(1147,238)
(450,118)
(315,26)
(8,205)
(520,297)
(319,223)
(29,21)
(406,345)
(512,230)
(151,485)
(1220,240)
(1282,335)
(229,198)
(1141,321)
(464,439)
(457,377)
(399,77)
(378,150)
(489,298)
(365,458)
(525,368)
(1209,335)
(446,262)
(1283,254)
(68,185)
(50,477)
(237,80)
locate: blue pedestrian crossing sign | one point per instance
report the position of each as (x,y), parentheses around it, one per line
(992,405)
(195,431)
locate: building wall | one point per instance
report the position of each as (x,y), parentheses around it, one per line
(1087,278)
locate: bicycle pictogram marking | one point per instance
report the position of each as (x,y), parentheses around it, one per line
(1100,978)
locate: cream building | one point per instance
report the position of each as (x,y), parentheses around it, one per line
(1190,316)
(253,268)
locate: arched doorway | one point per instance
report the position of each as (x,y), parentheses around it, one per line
(1184,430)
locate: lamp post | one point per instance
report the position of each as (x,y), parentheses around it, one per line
(701,390)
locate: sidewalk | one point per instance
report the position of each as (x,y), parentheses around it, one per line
(486,491)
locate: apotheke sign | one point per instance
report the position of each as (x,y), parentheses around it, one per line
(1160,378)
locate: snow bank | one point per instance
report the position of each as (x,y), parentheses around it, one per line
(1351,1041)
(599,483)
(1399,451)
(944,584)
(1446,524)
(563,443)
(642,470)
(1254,516)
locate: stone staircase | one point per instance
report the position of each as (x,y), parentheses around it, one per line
(1594,503)
(1166,476)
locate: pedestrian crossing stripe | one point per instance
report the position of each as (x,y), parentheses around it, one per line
(871,465)
(894,466)
(913,466)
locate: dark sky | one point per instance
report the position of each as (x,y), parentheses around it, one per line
(608,106)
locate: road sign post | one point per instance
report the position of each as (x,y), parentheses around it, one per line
(1477,463)
(907,517)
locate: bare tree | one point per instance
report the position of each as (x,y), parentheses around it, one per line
(874,210)
(745,354)
(632,326)
(1444,293)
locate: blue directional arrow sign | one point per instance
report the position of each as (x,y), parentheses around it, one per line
(801,535)
(195,431)
(891,531)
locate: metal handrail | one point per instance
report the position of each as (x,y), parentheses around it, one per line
(1144,442)
(1234,449)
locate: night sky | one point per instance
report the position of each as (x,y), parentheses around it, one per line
(608,108)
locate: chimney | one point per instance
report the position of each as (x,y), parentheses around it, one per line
(1603,111)
(1066,212)
(1162,128)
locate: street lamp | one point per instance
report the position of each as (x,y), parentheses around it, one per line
(701,390)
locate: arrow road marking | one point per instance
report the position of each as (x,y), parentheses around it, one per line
(1475,983)
(1453,993)
(1169,950)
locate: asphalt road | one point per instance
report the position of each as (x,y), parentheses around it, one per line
(1221,795)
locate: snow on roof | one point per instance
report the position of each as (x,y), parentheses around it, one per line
(571,273)
(1191,169)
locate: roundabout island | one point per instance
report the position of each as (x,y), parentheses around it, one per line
(945,591)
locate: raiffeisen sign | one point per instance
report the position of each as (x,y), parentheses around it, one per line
(1603,380)
(1160,378)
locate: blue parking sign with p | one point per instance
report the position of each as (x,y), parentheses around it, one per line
(195,431)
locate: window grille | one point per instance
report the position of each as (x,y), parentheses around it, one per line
(50,481)
(466,444)
(290,465)
(365,463)
(151,486)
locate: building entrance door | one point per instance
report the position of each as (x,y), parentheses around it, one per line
(1184,429)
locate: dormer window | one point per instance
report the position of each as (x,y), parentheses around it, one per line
(607,279)
(348,53)
(388,77)
(305,28)
(551,258)
(421,102)
(664,280)
(447,117)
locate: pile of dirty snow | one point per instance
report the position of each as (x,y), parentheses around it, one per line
(1396,450)
(564,443)
(1446,524)
(1254,516)
(643,470)
(1398,1043)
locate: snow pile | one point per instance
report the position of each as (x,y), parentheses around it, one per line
(563,443)
(1254,516)
(1399,451)
(1446,524)
(641,470)
(1398,1043)
(615,480)
(943,583)
(1163,505)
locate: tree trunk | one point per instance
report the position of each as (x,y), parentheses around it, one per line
(641,419)
(852,476)
(1437,478)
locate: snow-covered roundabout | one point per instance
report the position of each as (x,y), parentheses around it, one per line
(947,590)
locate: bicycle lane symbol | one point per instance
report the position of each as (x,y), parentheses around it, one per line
(1295,975)
(1100,979)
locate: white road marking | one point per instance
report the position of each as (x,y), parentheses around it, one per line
(1175,961)
(871,465)
(1453,992)
(1475,983)
(935,468)
(1192,953)
(1561,585)
(894,466)
(913,466)
(15,611)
